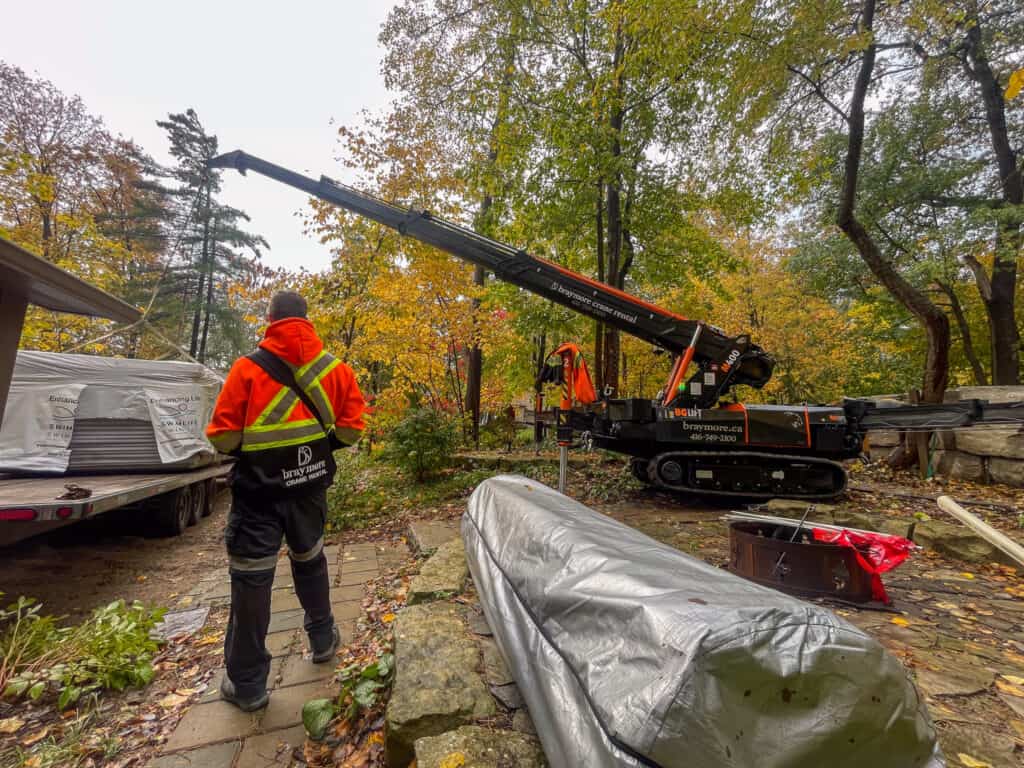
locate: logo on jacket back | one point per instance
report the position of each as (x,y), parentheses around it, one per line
(305,455)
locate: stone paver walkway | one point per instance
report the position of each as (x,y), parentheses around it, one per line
(215,734)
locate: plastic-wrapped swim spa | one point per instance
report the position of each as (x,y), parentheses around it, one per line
(82,414)
(630,653)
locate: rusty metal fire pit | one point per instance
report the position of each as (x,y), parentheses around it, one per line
(768,554)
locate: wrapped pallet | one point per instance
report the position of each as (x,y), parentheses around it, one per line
(84,414)
(630,653)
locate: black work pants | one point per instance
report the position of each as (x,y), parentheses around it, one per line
(253,538)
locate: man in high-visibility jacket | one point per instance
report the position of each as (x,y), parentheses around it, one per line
(283,435)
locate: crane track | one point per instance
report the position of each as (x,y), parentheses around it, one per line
(752,475)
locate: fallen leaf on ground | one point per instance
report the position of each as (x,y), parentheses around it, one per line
(387,618)
(172,700)
(211,639)
(1013,679)
(971,762)
(32,738)
(11,724)
(1012,690)
(899,621)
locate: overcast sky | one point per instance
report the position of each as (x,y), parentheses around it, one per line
(266,77)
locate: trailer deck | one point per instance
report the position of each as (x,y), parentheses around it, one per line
(41,499)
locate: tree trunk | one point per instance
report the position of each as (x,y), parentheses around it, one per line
(209,302)
(475,365)
(998,291)
(193,348)
(598,325)
(935,322)
(475,360)
(613,198)
(540,355)
(965,334)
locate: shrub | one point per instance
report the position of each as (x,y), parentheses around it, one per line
(422,442)
(111,649)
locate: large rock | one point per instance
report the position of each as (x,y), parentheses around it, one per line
(956,541)
(962,466)
(428,535)
(442,575)
(437,688)
(884,437)
(1006,471)
(994,394)
(475,747)
(1007,442)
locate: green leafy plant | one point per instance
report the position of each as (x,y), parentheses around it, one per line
(112,649)
(361,689)
(422,442)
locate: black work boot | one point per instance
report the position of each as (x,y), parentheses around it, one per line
(227,691)
(326,654)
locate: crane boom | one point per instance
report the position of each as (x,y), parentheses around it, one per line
(728,360)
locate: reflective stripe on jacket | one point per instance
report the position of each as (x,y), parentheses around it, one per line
(280,443)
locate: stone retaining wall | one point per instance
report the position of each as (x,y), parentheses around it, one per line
(978,454)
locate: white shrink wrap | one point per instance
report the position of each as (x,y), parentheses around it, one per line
(82,413)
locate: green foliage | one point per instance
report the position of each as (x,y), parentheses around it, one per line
(112,649)
(368,491)
(316,716)
(361,689)
(422,442)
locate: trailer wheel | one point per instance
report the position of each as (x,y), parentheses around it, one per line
(197,503)
(210,497)
(173,510)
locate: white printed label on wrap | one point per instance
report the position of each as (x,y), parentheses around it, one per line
(179,417)
(37,428)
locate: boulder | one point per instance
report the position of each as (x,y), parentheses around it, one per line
(427,535)
(884,437)
(1006,442)
(1006,471)
(476,747)
(437,688)
(796,509)
(956,541)
(962,466)
(994,394)
(442,575)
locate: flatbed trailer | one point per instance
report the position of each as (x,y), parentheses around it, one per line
(170,500)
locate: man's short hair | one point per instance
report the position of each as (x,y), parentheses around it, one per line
(286,304)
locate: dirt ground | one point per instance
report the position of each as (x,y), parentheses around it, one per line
(75,569)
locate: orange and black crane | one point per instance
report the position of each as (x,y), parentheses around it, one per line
(688,438)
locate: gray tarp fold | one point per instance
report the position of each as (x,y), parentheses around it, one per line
(630,653)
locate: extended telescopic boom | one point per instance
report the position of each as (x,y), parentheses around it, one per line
(741,361)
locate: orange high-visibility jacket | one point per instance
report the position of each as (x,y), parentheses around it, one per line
(280,444)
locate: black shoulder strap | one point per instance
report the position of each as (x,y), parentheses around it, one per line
(279,371)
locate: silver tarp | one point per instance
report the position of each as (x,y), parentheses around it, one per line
(630,653)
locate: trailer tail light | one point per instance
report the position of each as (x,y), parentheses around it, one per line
(17,514)
(64,512)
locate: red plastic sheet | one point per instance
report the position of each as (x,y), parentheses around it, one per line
(877,553)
